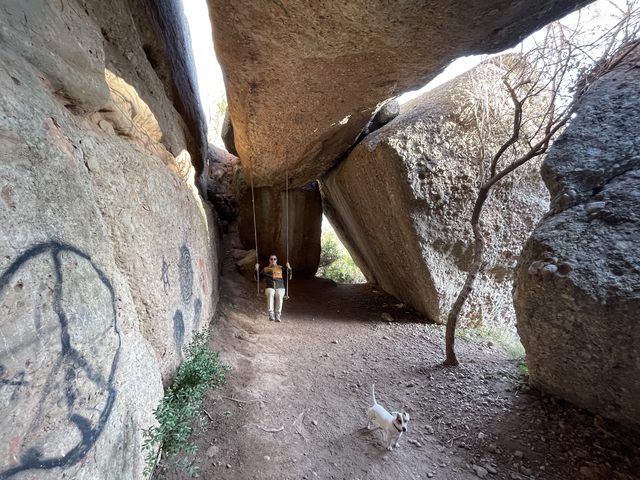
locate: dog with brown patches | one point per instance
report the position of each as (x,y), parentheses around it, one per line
(393,424)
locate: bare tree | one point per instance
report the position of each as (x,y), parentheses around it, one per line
(544,86)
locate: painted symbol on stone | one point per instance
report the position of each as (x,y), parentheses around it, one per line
(202,267)
(165,274)
(186,274)
(57,403)
(197,310)
(178,330)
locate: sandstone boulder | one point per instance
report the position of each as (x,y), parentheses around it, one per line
(107,255)
(222,169)
(387,112)
(577,293)
(402,200)
(304,78)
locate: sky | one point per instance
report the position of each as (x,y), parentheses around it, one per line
(600,14)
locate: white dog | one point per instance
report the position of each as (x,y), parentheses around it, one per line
(393,424)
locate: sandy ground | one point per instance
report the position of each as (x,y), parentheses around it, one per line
(294,403)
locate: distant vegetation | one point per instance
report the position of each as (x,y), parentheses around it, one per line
(335,261)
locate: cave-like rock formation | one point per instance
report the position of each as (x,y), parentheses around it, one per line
(304,230)
(402,201)
(107,252)
(303,78)
(577,294)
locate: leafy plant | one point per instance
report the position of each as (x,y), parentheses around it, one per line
(331,249)
(335,261)
(523,378)
(169,441)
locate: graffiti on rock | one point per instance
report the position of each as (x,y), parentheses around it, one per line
(178,329)
(186,278)
(165,274)
(197,310)
(57,373)
(186,274)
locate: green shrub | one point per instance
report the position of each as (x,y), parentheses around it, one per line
(335,261)
(331,249)
(169,441)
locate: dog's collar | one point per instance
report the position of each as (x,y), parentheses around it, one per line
(396,427)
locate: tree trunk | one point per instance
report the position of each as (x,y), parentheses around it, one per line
(478,250)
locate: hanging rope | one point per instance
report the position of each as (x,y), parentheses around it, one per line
(286,195)
(255,230)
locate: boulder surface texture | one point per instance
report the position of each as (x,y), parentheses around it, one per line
(304,78)
(106,249)
(577,295)
(402,202)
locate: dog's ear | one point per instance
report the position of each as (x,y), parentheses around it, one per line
(406,417)
(399,417)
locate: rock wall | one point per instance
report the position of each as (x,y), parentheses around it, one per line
(402,200)
(304,78)
(107,252)
(305,225)
(577,293)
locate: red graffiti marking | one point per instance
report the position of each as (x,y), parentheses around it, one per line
(15,445)
(202,266)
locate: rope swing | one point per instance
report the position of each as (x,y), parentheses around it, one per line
(255,229)
(286,228)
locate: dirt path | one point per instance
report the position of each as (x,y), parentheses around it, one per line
(294,404)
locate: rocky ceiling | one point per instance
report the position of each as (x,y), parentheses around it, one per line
(303,78)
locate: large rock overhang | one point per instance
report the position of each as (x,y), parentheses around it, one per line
(304,78)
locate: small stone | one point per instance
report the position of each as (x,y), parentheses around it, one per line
(414,442)
(595,207)
(386,317)
(315,423)
(429,429)
(481,436)
(563,269)
(334,341)
(385,337)
(535,267)
(106,127)
(490,468)
(525,471)
(586,472)
(479,471)
(518,454)
(228,465)
(429,475)
(267,457)
(212,451)
(548,272)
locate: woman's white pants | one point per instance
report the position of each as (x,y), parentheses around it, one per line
(278,293)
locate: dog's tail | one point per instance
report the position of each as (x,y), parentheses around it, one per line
(373,393)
